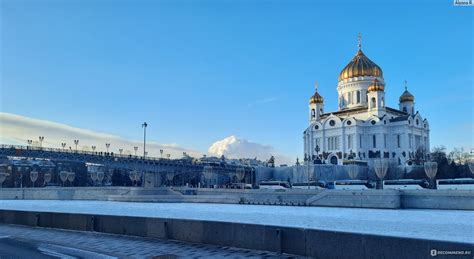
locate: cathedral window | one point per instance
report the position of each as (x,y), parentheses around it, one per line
(333,143)
(373,103)
(374,141)
(383,103)
(360,140)
(385,140)
(332,123)
(417,122)
(348,123)
(373,122)
(350,141)
(417,141)
(316,127)
(313,113)
(358,96)
(405,109)
(410,137)
(398,141)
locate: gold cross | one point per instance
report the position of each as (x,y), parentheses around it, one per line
(359,39)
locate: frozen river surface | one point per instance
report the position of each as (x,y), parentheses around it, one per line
(452,225)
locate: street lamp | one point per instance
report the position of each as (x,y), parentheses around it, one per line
(144,125)
(168,156)
(93,148)
(430,169)
(135,148)
(63,144)
(317,151)
(381,167)
(41,138)
(29,141)
(161,153)
(120,151)
(76,142)
(107,145)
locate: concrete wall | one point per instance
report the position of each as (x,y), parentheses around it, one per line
(438,199)
(388,199)
(297,241)
(68,193)
(301,173)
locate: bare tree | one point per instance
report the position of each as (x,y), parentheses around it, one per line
(459,156)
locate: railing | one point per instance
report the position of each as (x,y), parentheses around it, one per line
(124,158)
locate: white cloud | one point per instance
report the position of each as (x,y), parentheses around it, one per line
(15,129)
(263,101)
(234,147)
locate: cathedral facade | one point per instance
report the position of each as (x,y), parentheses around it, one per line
(364,128)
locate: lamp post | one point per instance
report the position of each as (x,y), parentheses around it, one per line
(41,138)
(430,169)
(93,148)
(317,151)
(168,156)
(135,148)
(161,153)
(144,125)
(120,151)
(29,141)
(33,177)
(107,145)
(76,142)
(63,144)
(381,167)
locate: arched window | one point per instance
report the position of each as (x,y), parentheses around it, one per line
(383,103)
(374,141)
(373,103)
(313,113)
(358,96)
(405,109)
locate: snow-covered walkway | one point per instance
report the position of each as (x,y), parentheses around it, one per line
(449,225)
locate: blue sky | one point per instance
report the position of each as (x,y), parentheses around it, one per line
(200,71)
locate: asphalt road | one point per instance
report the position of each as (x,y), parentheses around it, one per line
(11,247)
(34,242)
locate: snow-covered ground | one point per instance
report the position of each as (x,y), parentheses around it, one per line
(450,225)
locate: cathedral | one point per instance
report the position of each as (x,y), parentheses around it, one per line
(364,128)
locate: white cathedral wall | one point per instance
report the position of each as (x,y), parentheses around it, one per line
(386,138)
(351,86)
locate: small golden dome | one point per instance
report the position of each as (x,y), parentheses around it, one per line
(360,65)
(376,85)
(316,98)
(407,97)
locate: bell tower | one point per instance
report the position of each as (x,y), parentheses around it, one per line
(316,105)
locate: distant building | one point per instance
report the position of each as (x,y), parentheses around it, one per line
(364,127)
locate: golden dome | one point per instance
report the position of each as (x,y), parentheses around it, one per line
(376,85)
(360,65)
(316,98)
(407,97)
